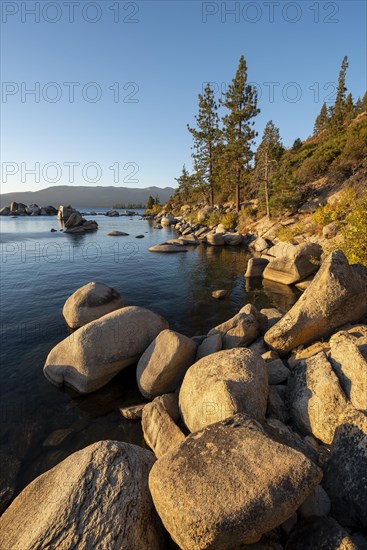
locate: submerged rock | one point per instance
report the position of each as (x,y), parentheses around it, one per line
(336,296)
(229,483)
(115,233)
(221,385)
(96,498)
(219,294)
(90,302)
(167,248)
(95,353)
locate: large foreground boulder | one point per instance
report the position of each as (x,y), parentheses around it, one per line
(346,472)
(164,363)
(291,263)
(241,330)
(336,296)
(229,483)
(90,302)
(315,397)
(88,359)
(96,498)
(223,384)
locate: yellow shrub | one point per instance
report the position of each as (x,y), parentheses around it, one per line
(229,220)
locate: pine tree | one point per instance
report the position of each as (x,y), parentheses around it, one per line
(358,106)
(150,203)
(267,157)
(364,103)
(322,120)
(297,144)
(338,111)
(349,111)
(206,138)
(184,184)
(241,102)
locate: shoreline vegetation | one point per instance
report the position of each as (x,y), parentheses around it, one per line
(316,188)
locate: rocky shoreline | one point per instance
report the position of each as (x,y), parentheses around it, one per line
(257,430)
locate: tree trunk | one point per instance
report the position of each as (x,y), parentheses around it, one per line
(238,192)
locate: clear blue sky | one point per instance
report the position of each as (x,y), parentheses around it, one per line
(169,52)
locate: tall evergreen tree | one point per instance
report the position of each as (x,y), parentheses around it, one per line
(322,120)
(349,110)
(338,111)
(150,202)
(241,102)
(185,184)
(267,157)
(206,138)
(358,106)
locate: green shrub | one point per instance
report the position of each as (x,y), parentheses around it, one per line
(355,233)
(213,218)
(229,220)
(336,211)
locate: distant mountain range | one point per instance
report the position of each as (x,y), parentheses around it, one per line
(87,197)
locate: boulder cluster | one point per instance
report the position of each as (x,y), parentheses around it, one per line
(74,222)
(193,234)
(20,209)
(257,430)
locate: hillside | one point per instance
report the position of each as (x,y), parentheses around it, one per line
(87,197)
(318,193)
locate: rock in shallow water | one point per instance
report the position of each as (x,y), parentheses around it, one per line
(90,302)
(228,484)
(95,353)
(168,248)
(96,498)
(290,264)
(221,385)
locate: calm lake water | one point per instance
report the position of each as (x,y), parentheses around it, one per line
(41,424)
